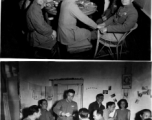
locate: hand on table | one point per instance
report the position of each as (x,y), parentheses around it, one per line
(103,30)
(101,26)
(104,18)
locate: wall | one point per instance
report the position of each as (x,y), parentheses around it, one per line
(95,75)
(145,6)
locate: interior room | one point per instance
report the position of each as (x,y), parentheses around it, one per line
(24,83)
(16,44)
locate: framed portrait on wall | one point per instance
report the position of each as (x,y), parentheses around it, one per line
(127,81)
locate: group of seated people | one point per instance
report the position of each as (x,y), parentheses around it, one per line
(67,109)
(67,32)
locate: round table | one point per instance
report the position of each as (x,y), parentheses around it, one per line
(88,10)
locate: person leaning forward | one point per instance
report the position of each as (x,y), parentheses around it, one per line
(66,108)
(69,32)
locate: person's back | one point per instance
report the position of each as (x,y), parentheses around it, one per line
(39,32)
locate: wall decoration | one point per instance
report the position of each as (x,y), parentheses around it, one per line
(115,100)
(48,92)
(109,88)
(91,88)
(149,92)
(144,87)
(36,95)
(139,94)
(145,92)
(113,95)
(36,91)
(126,81)
(137,101)
(126,94)
(105,91)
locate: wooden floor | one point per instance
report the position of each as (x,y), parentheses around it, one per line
(14,44)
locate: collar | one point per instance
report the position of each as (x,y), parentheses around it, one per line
(128,6)
(67,101)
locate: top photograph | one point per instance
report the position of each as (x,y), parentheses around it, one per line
(76,29)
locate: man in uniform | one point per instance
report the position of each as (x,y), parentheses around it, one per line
(66,108)
(124,20)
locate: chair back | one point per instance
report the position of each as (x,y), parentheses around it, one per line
(127,33)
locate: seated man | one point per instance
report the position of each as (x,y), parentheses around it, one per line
(40,33)
(68,31)
(125,19)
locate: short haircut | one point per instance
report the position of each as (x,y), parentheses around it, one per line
(99,95)
(124,100)
(32,109)
(145,110)
(99,112)
(70,91)
(109,104)
(41,101)
(84,113)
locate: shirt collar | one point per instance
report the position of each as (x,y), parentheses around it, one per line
(128,6)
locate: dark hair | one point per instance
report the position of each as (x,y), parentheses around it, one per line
(83,112)
(99,95)
(145,110)
(41,101)
(124,100)
(70,91)
(32,109)
(99,111)
(109,104)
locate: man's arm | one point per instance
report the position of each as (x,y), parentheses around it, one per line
(40,24)
(57,108)
(126,26)
(81,16)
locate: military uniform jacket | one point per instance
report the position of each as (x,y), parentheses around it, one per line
(66,107)
(40,33)
(123,20)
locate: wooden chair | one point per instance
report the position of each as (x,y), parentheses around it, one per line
(112,44)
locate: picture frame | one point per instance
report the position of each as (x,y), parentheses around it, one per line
(127,81)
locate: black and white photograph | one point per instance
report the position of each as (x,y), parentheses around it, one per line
(76,29)
(73,91)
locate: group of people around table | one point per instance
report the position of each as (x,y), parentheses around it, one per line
(40,33)
(67,109)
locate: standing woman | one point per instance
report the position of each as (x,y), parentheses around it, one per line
(34,113)
(122,113)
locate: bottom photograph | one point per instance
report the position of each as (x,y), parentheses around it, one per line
(75,90)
